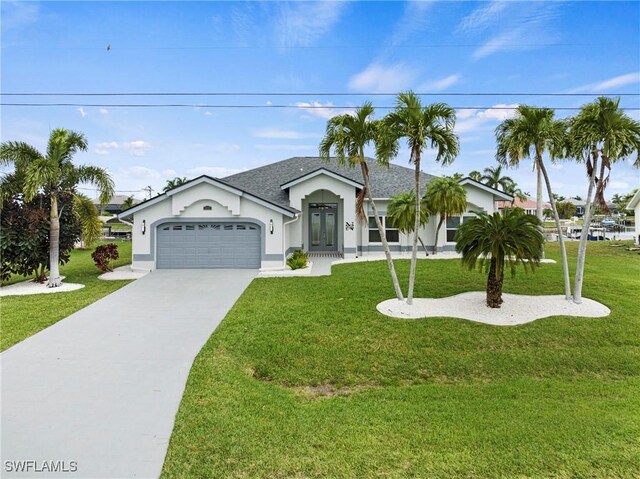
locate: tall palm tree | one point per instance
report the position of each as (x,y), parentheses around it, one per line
(475,175)
(402,213)
(445,197)
(347,136)
(422,127)
(54,173)
(493,177)
(531,133)
(600,135)
(496,241)
(89,218)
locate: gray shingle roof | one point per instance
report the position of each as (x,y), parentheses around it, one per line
(265,181)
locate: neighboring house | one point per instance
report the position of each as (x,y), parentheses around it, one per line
(579,204)
(254,219)
(634,205)
(115,204)
(529,205)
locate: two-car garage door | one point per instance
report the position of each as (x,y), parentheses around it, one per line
(208,245)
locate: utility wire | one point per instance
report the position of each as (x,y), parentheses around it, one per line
(244,94)
(297,107)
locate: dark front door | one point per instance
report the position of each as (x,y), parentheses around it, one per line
(323,227)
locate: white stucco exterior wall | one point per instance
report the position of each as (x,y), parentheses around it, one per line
(190,204)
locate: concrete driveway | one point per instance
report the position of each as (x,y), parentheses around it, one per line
(95,395)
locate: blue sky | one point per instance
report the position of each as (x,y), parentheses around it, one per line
(303,49)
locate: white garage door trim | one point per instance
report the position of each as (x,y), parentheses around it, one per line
(208,244)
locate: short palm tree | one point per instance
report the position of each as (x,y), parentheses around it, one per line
(475,175)
(531,133)
(497,241)
(445,197)
(493,177)
(54,173)
(347,136)
(600,135)
(177,181)
(402,213)
(128,203)
(422,127)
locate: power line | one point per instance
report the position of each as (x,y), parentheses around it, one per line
(316,94)
(297,107)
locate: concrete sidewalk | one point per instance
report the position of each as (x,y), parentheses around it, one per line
(98,391)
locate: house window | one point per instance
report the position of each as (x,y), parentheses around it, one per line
(453,223)
(393,235)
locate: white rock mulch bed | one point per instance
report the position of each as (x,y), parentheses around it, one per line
(29,287)
(516,309)
(123,272)
(442,255)
(281,273)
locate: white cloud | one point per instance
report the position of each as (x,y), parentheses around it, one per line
(137,147)
(169,173)
(207,113)
(277,134)
(615,82)
(104,111)
(482,17)
(302,23)
(414,19)
(107,145)
(100,152)
(439,85)
(473,120)
(378,78)
(82,112)
(215,171)
(19,14)
(322,110)
(530,22)
(140,173)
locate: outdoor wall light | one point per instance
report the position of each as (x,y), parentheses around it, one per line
(143,226)
(271,226)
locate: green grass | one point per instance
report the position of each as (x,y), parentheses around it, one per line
(437,397)
(23,316)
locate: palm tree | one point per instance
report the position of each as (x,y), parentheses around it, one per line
(128,203)
(55,173)
(177,181)
(493,177)
(348,135)
(475,175)
(532,132)
(428,126)
(495,241)
(516,192)
(601,132)
(89,218)
(402,213)
(445,197)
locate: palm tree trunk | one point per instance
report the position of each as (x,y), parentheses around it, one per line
(54,244)
(424,247)
(383,236)
(416,228)
(539,209)
(563,250)
(586,221)
(494,285)
(435,246)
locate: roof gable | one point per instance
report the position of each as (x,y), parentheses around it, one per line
(497,194)
(318,172)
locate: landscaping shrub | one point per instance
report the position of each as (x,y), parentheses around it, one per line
(104,255)
(298,260)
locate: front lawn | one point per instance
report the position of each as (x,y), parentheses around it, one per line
(23,316)
(305,379)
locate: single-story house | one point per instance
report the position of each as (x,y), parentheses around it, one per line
(114,206)
(634,205)
(254,219)
(530,205)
